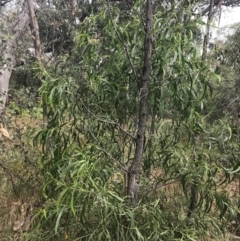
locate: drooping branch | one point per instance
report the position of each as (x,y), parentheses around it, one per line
(194,188)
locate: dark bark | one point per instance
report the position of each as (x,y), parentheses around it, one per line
(143,88)
(193,200)
(194,186)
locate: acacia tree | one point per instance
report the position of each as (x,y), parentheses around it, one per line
(143,90)
(108,140)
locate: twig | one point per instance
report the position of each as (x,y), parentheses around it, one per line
(7,171)
(106,121)
(105,151)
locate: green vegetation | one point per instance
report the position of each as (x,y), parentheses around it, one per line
(142,133)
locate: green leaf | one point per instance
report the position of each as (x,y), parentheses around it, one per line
(58,221)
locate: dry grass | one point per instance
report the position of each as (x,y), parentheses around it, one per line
(20,178)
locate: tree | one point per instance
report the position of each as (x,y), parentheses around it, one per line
(124,110)
(57,38)
(18,29)
(224,58)
(143,90)
(130,133)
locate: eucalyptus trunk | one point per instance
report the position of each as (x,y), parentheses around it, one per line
(8,53)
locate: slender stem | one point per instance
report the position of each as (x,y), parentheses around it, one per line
(143,88)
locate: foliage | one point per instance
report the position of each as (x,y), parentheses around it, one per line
(55,32)
(90,87)
(90,139)
(224,54)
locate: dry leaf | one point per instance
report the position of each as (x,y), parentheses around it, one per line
(5,132)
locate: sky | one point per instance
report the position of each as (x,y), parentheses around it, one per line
(229,16)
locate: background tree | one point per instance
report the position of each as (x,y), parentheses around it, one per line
(8,61)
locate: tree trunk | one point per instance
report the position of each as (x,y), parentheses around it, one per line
(206,37)
(35,30)
(6,67)
(143,88)
(37,45)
